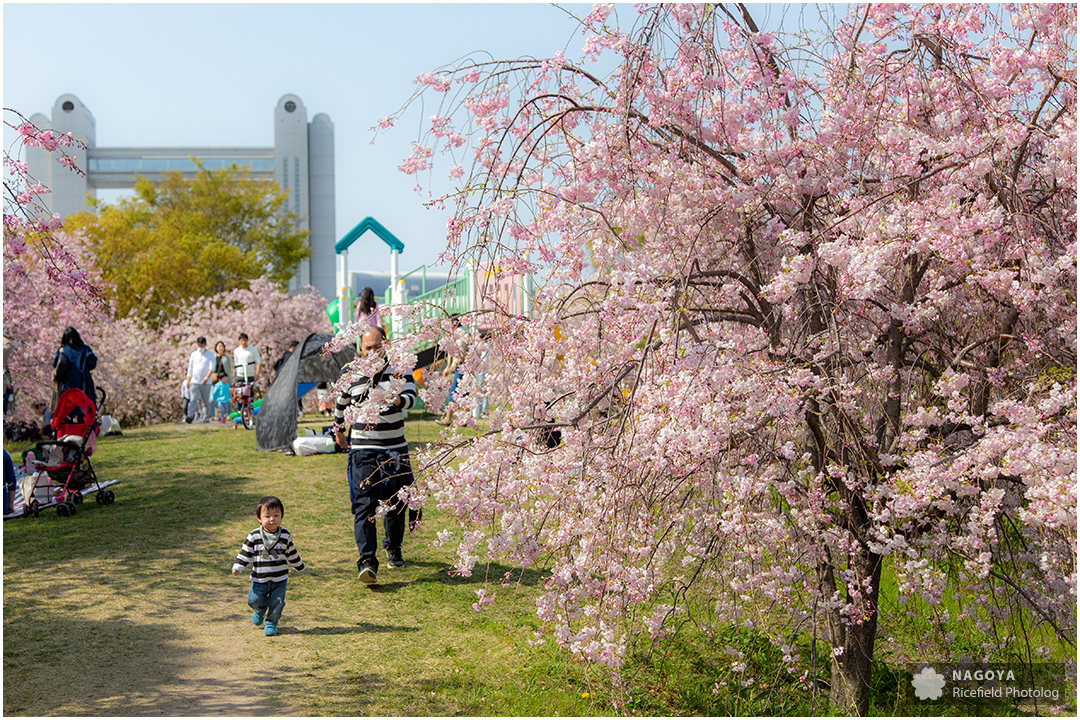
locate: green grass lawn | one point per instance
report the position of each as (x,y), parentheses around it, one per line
(130,609)
(138,596)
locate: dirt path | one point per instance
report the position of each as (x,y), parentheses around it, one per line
(145,641)
(159,654)
(130,609)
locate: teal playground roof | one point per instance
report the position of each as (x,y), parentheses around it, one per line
(368,223)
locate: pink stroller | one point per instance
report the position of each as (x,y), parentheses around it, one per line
(62,469)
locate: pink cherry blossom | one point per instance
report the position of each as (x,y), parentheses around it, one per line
(803,306)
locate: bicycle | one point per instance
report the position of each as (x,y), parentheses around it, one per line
(241,395)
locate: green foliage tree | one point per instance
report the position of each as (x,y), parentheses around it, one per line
(181,239)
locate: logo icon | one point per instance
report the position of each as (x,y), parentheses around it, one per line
(928,684)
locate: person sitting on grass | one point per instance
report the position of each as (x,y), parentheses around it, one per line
(271,548)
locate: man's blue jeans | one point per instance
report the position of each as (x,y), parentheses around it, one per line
(376,475)
(268,599)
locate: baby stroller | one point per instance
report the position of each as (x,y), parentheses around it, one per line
(62,470)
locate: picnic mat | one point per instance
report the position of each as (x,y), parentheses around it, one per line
(18,506)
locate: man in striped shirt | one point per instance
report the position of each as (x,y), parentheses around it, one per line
(269,550)
(378,464)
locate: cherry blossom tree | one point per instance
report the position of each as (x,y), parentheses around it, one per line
(145,365)
(52,279)
(40,269)
(139,365)
(805,314)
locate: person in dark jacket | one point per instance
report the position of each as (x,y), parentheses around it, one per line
(72,365)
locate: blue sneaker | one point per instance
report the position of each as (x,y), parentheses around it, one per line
(257,618)
(271,629)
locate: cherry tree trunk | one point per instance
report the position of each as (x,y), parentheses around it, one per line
(852,641)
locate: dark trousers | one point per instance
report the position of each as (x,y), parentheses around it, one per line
(9,482)
(376,475)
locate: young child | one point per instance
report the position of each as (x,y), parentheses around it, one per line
(271,547)
(220,395)
(185,397)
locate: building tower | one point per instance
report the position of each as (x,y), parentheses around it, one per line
(301,162)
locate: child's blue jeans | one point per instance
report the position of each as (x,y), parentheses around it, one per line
(268,599)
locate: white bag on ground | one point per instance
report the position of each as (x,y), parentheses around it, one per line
(309,445)
(109,426)
(37,486)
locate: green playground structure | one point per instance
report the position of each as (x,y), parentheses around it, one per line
(332,308)
(474,290)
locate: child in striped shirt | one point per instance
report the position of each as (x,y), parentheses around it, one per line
(271,548)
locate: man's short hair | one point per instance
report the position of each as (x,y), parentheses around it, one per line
(200,340)
(243,336)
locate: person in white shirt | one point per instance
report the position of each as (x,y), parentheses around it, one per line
(200,365)
(247,364)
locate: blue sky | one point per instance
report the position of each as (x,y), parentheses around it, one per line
(209,74)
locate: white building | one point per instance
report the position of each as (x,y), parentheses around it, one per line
(301,161)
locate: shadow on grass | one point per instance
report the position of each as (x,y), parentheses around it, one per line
(365,693)
(134,525)
(45,650)
(359,628)
(495,573)
(492,573)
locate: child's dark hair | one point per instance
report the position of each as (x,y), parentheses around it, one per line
(270,503)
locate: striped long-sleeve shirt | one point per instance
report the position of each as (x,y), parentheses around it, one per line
(388,433)
(272,565)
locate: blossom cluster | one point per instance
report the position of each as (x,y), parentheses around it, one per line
(140,367)
(50,283)
(29,226)
(798,313)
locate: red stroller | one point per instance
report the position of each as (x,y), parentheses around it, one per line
(63,470)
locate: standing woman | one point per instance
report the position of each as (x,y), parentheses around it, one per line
(223,363)
(367,311)
(72,365)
